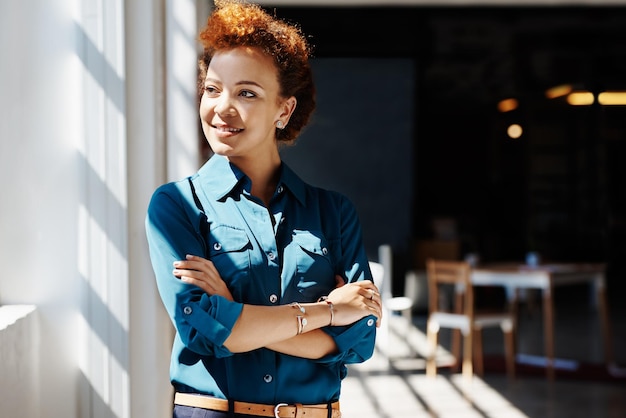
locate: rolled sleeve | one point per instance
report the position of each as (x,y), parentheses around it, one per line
(355,343)
(203,322)
(206,324)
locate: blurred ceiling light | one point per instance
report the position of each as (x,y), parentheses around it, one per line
(507,105)
(612,98)
(558,91)
(580,98)
(514,131)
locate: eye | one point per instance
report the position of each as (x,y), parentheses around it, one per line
(211,90)
(247,94)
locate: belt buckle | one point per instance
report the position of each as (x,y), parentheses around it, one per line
(277,409)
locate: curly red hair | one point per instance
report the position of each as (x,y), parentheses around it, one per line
(234,24)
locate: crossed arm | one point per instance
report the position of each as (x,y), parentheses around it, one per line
(276,327)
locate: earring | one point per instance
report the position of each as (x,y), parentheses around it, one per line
(279,124)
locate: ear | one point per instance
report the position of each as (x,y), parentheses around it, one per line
(286,109)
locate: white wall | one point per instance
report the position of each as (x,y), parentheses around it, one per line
(40,127)
(83,116)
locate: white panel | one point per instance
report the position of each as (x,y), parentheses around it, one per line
(19,345)
(181,75)
(151,332)
(104,214)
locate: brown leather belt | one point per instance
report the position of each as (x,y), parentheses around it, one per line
(281,410)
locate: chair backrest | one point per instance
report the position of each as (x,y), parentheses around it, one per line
(455,274)
(378,273)
(385,257)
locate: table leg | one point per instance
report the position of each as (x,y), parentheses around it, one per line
(603,311)
(548,329)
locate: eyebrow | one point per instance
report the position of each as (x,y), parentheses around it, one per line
(239,83)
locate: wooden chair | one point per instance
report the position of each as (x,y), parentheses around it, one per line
(462,317)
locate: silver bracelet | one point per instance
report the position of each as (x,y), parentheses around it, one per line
(331,307)
(332,312)
(300,318)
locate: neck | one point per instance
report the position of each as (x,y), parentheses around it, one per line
(264,174)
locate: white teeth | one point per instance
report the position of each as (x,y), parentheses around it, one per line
(225,129)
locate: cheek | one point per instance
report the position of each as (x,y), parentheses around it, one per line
(205,113)
(204,109)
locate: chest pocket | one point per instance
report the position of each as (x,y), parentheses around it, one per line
(228,246)
(314,275)
(229,251)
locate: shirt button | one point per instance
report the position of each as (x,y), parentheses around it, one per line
(280,189)
(217,246)
(273,298)
(370,322)
(187,310)
(271,256)
(268,378)
(324,250)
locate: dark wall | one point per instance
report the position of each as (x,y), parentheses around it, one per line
(558,189)
(360,142)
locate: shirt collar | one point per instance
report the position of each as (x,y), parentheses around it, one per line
(293,183)
(220,178)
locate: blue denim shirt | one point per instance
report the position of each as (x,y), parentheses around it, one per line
(288,252)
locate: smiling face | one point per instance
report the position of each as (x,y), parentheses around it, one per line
(241,105)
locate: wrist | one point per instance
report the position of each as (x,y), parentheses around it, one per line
(300,317)
(331,309)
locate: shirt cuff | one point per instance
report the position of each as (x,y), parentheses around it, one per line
(212,318)
(355,343)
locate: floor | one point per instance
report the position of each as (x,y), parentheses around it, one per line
(399,388)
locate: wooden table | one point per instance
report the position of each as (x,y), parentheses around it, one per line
(513,276)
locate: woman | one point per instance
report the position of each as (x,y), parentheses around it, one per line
(270,291)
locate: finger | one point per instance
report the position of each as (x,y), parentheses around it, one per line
(194,274)
(369,294)
(206,287)
(195,257)
(194,261)
(204,266)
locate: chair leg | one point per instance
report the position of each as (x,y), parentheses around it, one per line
(467,355)
(455,349)
(408,315)
(431,361)
(456,334)
(478,352)
(509,348)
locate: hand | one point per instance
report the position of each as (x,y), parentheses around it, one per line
(202,273)
(354,301)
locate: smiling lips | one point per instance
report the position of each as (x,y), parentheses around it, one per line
(227,129)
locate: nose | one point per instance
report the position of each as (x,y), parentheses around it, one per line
(224,107)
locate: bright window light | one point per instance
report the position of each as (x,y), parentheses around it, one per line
(558,91)
(580,98)
(507,105)
(612,98)
(514,131)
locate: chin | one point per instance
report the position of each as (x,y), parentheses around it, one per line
(220,148)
